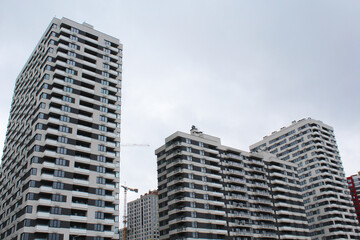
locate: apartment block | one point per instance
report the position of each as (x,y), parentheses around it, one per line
(311,145)
(143,217)
(354,187)
(211,191)
(60,166)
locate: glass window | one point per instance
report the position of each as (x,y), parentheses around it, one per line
(62,162)
(99,215)
(104,109)
(99,203)
(70,62)
(55,236)
(67,98)
(64,129)
(59,173)
(98,227)
(102,148)
(100,180)
(35,160)
(43,105)
(64,118)
(104,100)
(29,209)
(102,138)
(74,30)
(74,38)
(58,185)
(58,198)
(69,80)
(38,137)
(73,46)
(33,171)
(101,158)
(105,74)
(55,223)
(103,118)
(27,222)
(100,191)
(100,169)
(56,210)
(32,183)
(72,54)
(106,42)
(68,89)
(70,71)
(102,128)
(62,139)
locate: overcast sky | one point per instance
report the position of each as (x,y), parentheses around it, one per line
(237,70)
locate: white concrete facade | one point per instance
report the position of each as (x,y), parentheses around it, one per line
(211,191)
(311,145)
(60,167)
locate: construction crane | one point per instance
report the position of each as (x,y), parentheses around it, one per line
(134,145)
(125,209)
(130,189)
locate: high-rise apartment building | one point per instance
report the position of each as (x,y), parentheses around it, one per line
(211,191)
(311,145)
(143,217)
(60,166)
(354,187)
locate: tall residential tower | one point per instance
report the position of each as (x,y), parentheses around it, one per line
(211,191)
(311,145)
(60,166)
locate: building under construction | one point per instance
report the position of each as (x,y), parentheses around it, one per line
(142,218)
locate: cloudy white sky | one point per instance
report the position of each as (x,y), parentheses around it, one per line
(236,69)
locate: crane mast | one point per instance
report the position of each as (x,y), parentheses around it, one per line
(125,208)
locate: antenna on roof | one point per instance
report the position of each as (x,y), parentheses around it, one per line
(194,130)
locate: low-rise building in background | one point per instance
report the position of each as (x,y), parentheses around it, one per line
(143,220)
